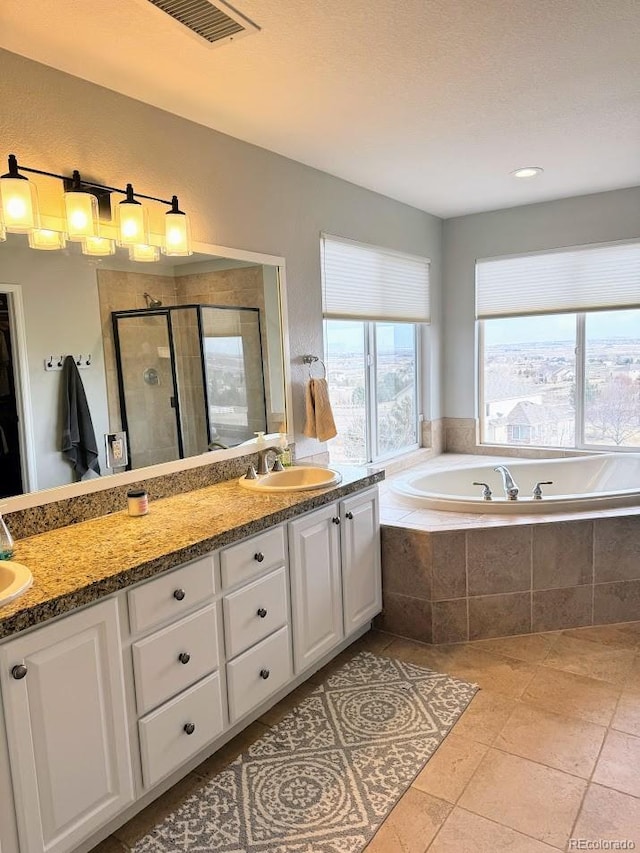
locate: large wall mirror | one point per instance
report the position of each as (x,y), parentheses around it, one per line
(185,355)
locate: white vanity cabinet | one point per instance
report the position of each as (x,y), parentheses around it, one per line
(63,697)
(256,620)
(335,574)
(100,710)
(360,552)
(179,692)
(316,591)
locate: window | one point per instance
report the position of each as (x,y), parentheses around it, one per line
(567,372)
(372,376)
(375,302)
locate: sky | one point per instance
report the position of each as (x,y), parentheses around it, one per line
(603,325)
(346,336)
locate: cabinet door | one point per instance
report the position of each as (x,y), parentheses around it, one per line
(66,728)
(360,543)
(316,597)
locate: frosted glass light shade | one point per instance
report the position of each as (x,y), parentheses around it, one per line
(145,253)
(43,238)
(177,235)
(98,246)
(19,204)
(82,215)
(132,221)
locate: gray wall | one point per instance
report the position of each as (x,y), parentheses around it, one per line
(238,195)
(62,316)
(569,222)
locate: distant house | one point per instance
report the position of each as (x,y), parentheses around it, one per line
(535,423)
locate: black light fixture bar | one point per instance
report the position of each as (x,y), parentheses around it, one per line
(83,183)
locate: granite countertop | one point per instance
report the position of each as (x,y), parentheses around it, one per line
(79,564)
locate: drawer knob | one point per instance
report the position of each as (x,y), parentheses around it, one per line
(264,673)
(184,657)
(349,515)
(262,612)
(189,728)
(259,556)
(179,594)
(19,671)
(335,519)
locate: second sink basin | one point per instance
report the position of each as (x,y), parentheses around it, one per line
(299,478)
(14,580)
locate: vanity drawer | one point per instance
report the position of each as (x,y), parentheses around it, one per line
(255,611)
(172,594)
(175,657)
(165,743)
(246,682)
(254,556)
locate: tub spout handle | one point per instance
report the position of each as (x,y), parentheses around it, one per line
(537,492)
(510,487)
(486,491)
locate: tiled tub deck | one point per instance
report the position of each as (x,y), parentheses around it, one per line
(449,577)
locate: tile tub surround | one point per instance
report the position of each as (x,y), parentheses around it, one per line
(450,577)
(462,435)
(76,565)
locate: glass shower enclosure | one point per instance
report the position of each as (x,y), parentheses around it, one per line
(190,379)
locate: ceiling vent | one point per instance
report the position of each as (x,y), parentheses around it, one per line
(215,24)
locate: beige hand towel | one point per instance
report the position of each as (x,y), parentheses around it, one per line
(319,422)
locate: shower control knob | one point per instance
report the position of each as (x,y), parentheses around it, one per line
(184,657)
(179,594)
(189,728)
(19,671)
(264,673)
(259,556)
(261,612)
(349,515)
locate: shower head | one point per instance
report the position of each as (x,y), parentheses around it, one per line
(151,301)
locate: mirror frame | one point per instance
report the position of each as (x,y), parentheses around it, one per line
(99,484)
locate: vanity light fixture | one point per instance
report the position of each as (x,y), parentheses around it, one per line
(81,208)
(144,252)
(177,231)
(132,221)
(44,238)
(98,246)
(84,202)
(19,198)
(527,172)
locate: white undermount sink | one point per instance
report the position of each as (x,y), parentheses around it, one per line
(14,580)
(299,478)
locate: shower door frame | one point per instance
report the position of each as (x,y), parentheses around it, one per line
(146,312)
(166,312)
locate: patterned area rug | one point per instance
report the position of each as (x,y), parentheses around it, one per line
(325,778)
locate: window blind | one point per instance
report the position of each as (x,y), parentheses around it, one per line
(368,283)
(582,278)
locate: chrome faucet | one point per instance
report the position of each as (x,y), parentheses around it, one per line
(510,488)
(263,465)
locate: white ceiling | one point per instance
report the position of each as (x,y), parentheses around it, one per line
(432,102)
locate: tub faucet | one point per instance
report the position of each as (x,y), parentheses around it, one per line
(510,488)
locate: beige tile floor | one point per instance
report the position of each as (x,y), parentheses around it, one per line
(547,755)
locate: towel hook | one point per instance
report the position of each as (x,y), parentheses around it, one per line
(313,359)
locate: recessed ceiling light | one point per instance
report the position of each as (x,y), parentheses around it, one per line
(527,172)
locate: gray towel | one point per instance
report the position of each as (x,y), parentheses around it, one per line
(79,444)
